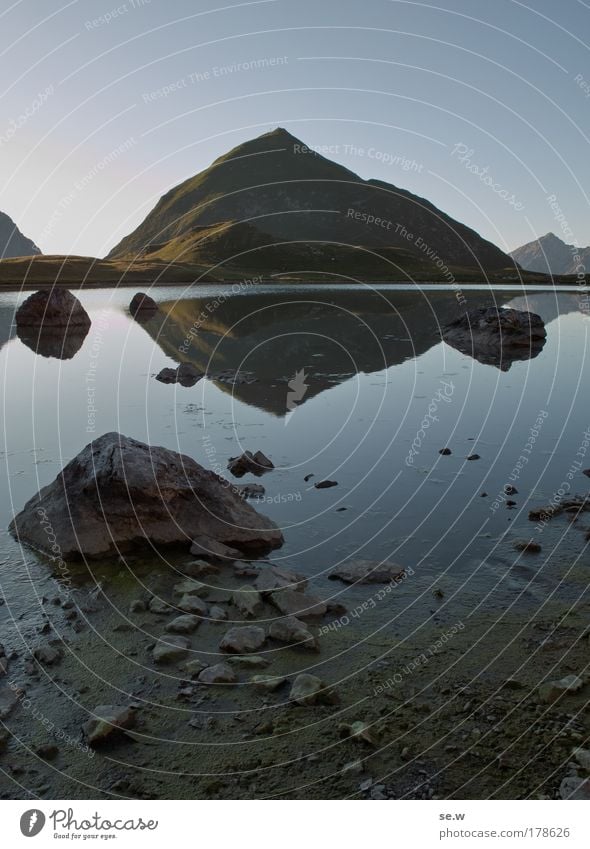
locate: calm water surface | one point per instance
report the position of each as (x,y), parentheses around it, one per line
(368,367)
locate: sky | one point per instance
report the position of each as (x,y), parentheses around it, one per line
(481,107)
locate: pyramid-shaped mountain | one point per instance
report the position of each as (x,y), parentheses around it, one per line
(12,241)
(551,255)
(274,204)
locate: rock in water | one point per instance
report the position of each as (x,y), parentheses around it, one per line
(142,306)
(497,337)
(119,495)
(257,464)
(368,572)
(52,308)
(186,374)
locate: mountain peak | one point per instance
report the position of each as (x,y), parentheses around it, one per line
(12,242)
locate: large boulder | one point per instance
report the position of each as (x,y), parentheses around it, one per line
(119,495)
(497,336)
(142,306)
(52,308)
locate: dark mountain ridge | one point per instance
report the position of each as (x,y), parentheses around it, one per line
(12,241)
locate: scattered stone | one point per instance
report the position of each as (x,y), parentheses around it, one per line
(248,601)
(171,650)
(310,690)
(576,788)
(256,464)
(47,751)
(352,768)
(108,723)
(185,624)
(221,673)
(47,655)
(582,757)
(254,661)
(142,306)
(191,587)
(510,490)
(325,484)
(511,504)
(291,630)
(249,490)
(213,549)
(9,696)
(309,477)
(530,546)
(200,568)
(119,495)
(243,640)
(586,472)
(474,457)
(295,603)
(271,578)
(217,613)
(194,667)
(160,607)
(368,572)
(551,691)
(362,731)
(445,452)
(137,606)
(185,374)
(194,605)
(268,682)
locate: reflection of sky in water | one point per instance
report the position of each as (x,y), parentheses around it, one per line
(358,431)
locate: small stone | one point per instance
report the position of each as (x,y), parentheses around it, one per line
(191,587)
(325,484)
(200,568)
(108,722)
(193,604)
(575,788)
(291,630)
(171,650)
(510,490)
(253,661)
(48,751)
(137,606)
(194,667)
(474,457)
(212,549)
(47,655)
(582,756)
(160,607)
(550,691)
(217,613)
(243,640)
(366,785)
(248,601)
(271,578)
(310,690)
(267,682)
(185,624)
(352,768)
(221,673)
(530,546)
(445,452)
(295,603)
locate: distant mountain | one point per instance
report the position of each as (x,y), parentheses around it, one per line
(551,255)
(12,241)
(274,204)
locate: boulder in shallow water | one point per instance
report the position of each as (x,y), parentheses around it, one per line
(119,495)
(496,336)
(368,572)
(142,306)
(255,464)
(52,308)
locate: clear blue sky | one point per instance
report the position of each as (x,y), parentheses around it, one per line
(89,142)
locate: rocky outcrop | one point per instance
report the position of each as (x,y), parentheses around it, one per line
(52,308)
(119,495)
(497,337)
(185,374)
(256,464)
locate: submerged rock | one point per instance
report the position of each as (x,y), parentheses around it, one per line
(256,464)
(368,572)
(294,603)
(497,337)
(530,546)
(120,495)
(186,374)
(325,484)
(270,578)
(52,308)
